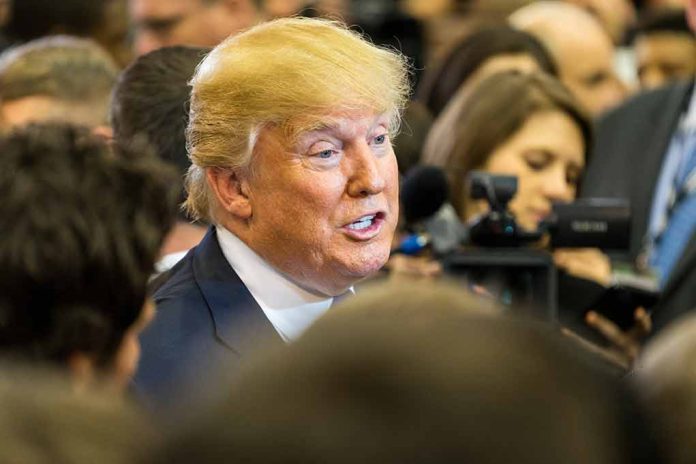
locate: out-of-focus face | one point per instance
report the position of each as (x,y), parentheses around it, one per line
(324,209)
(161,23)
(665,56)
(128,354)
(547,154)
(586,65)
(283,8)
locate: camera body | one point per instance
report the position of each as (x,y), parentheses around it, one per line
(588,223)
(502,257)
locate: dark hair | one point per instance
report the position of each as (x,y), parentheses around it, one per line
(480,121)
(418,383)
(440,85)
(31,19)
(661,20)
(81,229)
(151,101)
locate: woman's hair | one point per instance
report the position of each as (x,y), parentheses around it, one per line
(294,73)
(464,60)
(478,122)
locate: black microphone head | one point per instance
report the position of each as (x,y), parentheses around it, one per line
(423,192)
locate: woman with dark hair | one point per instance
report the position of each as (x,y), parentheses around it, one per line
(480,54)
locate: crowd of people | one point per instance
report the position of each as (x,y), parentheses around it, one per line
(205,257)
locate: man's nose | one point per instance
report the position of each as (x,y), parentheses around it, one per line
(366,176)
(145,43)
(652,77)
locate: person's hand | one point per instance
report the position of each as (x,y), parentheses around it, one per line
(586,263)
(413,266)
(626,342)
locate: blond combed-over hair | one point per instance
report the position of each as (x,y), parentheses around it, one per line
(292,73)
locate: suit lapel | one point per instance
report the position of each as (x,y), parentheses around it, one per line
(238,319)
(649,167)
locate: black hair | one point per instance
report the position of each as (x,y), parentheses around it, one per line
(81,229)
(31,19)
(661,20)
(440,85)
(151,101)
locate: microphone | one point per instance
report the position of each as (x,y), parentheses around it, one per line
(424,199)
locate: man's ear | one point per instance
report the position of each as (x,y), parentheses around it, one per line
(232,191)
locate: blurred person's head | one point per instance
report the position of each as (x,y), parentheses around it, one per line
(289,136)
(43,421)
(150,103)
(81,230)
(665,378)
(105,21)
(200,23)
(524,125)
(410,374)
(665,48)
(481,54)
(616,16)
(56,79)
(581,48)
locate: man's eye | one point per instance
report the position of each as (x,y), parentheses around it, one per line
(380,139)
(325,154)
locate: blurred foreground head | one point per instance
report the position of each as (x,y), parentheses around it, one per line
(424,374)
(43,422)
(81,228)
(56,79)
(666,381)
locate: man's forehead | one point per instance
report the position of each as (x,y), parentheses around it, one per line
(349,122)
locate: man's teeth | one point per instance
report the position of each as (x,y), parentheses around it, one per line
(362,223)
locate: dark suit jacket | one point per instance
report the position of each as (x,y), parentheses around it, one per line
(630,145)
(206,323)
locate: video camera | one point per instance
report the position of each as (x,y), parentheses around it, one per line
(495,253)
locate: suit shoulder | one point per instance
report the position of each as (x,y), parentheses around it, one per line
(652,102)
(178,281)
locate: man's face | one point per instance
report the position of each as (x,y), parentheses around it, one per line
(665,56)
(161,23)
(586,65)
(324,209)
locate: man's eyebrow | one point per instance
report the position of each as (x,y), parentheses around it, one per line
(159,24)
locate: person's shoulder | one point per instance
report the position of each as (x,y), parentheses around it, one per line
(176,281)
(648,102)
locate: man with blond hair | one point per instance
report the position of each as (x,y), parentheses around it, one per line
(289,136)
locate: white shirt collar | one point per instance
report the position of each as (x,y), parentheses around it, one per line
(290,308)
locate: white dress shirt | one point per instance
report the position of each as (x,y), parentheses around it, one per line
(290,308)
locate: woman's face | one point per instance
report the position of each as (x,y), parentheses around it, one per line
(547,154)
